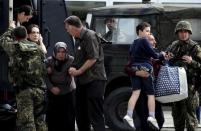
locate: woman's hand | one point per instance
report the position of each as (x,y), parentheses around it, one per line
(49,70)
(12,24)
(55,90)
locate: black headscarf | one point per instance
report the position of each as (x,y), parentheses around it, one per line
(59,63)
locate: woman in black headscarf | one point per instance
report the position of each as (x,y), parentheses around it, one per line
(60,110)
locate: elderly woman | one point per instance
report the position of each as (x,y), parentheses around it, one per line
(60,109)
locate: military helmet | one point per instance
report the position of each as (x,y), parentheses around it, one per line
(183,25)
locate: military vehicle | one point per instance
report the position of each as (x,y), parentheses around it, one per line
(50,14)
(163,19)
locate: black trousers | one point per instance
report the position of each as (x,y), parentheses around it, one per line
(143,113)
(89,106)
(61,112)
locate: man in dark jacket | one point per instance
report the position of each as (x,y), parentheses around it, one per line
(141,108)
(90,73)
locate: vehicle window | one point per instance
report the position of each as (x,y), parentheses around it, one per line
(195,23)
(118,30)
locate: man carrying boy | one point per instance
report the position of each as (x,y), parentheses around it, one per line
(141,52)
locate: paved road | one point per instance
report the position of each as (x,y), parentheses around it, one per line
(168,125)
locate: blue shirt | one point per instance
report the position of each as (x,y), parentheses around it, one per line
(141,51)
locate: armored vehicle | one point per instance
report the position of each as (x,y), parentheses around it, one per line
(49,15)
(163,19)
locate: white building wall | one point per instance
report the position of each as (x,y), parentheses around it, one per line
(110,2)
(177,1)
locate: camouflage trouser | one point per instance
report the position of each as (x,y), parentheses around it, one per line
(183,112)
(29,105)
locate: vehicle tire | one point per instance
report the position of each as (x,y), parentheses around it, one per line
(115,108)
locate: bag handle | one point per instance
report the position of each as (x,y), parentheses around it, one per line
(166,63)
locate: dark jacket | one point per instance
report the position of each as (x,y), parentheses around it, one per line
(57,71)
(87,47)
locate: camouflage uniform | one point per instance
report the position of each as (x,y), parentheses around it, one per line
(30,94)
(183,112)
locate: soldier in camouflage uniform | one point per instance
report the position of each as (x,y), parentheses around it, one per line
(26,78)
(186,53)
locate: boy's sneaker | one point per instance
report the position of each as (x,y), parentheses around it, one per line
(153,123)
(129,120)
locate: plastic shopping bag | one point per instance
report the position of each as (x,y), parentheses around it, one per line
(171,85)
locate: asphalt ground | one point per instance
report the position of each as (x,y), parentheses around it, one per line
(168,125)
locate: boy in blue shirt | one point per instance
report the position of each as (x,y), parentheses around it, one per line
(141,52)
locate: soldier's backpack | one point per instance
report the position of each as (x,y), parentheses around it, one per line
(27,67)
